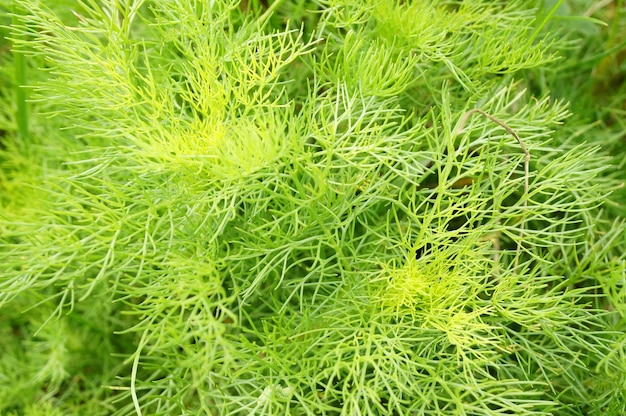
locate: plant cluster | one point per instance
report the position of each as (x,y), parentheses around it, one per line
(312,207)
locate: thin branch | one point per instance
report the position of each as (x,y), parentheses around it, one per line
(461,124)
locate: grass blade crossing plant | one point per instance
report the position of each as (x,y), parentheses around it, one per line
(327,207)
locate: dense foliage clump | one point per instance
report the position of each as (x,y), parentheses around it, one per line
(326,207)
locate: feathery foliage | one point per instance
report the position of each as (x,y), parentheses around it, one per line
(328,207)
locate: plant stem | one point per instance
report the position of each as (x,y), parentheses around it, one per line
(512,132)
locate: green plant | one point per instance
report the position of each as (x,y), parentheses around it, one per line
(329,207)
